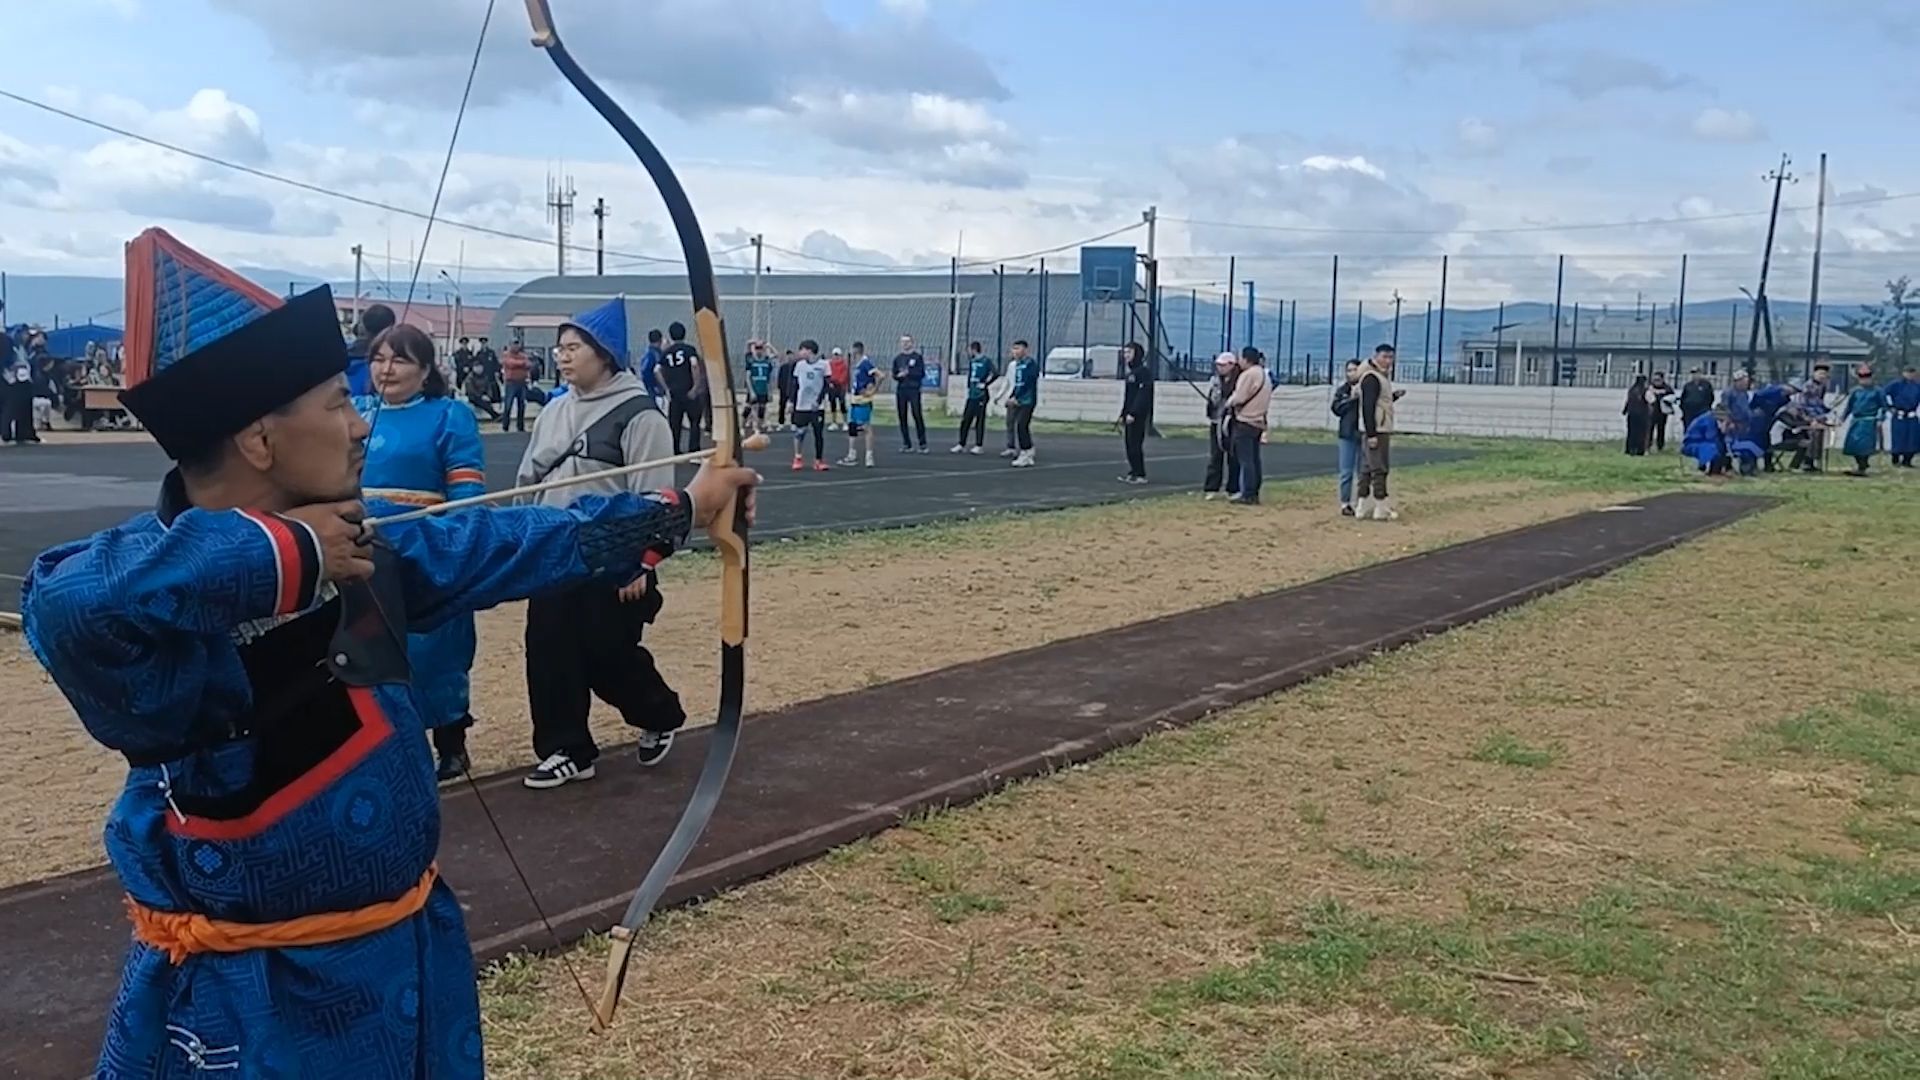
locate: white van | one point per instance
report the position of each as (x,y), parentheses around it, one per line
(1073,362)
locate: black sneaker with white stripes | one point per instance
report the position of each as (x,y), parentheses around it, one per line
(558,769)
(654,746)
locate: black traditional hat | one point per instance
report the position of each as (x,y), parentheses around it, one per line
(224,384)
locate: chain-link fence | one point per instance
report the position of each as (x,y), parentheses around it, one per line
(1545,320)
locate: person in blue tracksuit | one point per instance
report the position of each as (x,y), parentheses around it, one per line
(909,375)
(425,450)
(1766,405)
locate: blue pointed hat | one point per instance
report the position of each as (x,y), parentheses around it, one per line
(208,352)
(606,327)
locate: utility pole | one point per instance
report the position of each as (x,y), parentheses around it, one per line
(1813,292)
(1152,216)
(358,254)
(1779,176)
(560,194)
(600,237)
(1396,320)
(759,243)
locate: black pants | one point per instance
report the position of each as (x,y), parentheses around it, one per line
(1659,431)
(1137,447)
(906,399)
(16,413)
(684,412)
(1246,454)
(785,407)
(836,400)
(814,420)
(584,643)
(974,418)
(1022,418)
(484,406)
(1222,468)
(757,411)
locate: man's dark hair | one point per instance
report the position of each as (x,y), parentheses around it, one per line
(811,346)
(1250,354)
(376,320)
(1022,342)
(976,346)
(483,339)
(653,337)
(1382,349)
(463,341)
(676,331)
(861,345)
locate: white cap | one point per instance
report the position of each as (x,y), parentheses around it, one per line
(1226,358)
(839,352)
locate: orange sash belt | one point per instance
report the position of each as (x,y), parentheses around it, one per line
(182,934)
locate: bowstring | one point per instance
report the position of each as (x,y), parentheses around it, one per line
(439,189)
(413,282)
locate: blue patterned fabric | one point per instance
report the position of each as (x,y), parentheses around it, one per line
(142,628)
(424,452)
(192,310)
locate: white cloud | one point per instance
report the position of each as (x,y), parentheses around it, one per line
(1476,136)
(1715,124)
(895,86)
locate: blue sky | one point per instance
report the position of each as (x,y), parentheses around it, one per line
(885,130)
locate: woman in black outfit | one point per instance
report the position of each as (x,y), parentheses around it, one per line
(1639,413)
(1136,411)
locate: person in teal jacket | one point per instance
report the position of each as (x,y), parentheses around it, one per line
(1022,399)
(981,373)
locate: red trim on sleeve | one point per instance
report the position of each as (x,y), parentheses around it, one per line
(651,558)
(465,476)
(286,558)
(374,730)
(670,496)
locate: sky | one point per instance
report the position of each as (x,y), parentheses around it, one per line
(901,132)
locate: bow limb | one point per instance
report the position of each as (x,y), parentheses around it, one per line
(729,529)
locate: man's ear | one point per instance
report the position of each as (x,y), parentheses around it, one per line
(254,446)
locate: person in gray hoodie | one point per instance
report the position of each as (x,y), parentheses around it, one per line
(584,642)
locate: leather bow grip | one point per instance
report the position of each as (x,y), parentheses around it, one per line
(728,530)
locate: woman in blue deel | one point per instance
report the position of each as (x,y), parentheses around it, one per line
(425,449)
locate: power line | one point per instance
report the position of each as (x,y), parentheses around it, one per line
(303,185)
(1512,229)
(895,268)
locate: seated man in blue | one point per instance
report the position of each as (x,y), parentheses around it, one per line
(243,647)
(1714,443)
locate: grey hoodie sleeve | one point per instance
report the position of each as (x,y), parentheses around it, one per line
(648,438)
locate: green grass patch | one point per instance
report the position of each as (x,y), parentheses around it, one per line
(1505,748)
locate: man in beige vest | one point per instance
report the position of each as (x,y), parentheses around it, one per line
(1377,398)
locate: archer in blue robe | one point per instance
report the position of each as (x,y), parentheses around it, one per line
(1903,431)
(180,638)
(1862,408)
(424,452)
